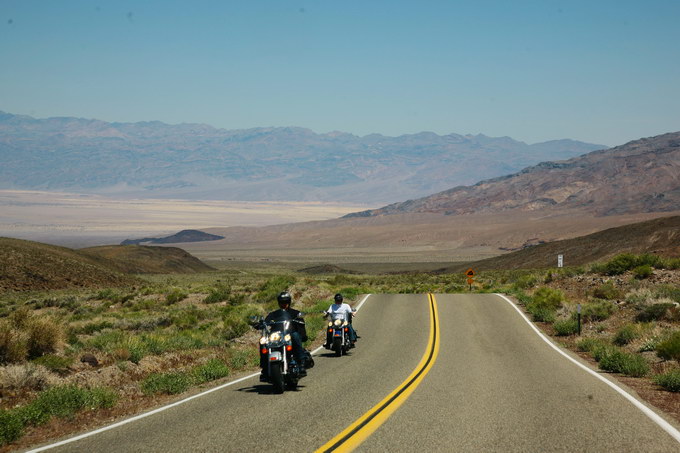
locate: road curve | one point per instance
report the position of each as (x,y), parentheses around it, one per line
(498,387)
(495,386)
(248,417)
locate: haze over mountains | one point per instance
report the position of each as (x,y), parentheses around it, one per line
(153,159)
(638,177)
(550,201)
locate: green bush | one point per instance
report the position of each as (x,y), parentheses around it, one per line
(669,381)
(65,401)
(175,295)
(167,383)
(44,335)
(544,303)
(11,426)
(589,344)
(607,291)
(670,348)
(626,334)
(54,362)
(616,361)
(566,327)
(243,358)
(643,272)
(272,287)
(654,312)
(13,344)
(598,310)
(525,282)
(214,369)
(220,293)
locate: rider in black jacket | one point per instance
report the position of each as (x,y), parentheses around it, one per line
(297,337)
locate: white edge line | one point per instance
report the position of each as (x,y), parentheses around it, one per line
(160,409)
(670,429)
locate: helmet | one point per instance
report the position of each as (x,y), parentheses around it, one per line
(284,298)
(338,298)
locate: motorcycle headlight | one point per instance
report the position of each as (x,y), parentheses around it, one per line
(263,340)
(275,336)
(338,322)
(287,337)
(330,323)
(345,323)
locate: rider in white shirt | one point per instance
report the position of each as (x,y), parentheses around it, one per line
(338,307)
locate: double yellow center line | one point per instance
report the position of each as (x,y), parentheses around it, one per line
(358,431)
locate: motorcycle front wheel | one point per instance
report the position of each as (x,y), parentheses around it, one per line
(276,373)
(337,347)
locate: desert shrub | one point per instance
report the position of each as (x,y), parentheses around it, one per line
(167,383)
(214,369)
(598,310)
(243,358)
(653,312)
(219,293)
(13,344)
(54,362)
(615,360)
(642,272)
(175,295)
(44,336)
(565,327)
(670,347)
(350,292)
(525,282)
(187,318)
(93,327)
(607,291)
(589,344)
(26,376)
(669,381)
(65,401)
(272,287)
(669,292)
(544,303)
(672,263)
(11,426)
(626,334)
(639,297)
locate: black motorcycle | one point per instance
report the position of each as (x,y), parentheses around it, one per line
(338,336)
(283,371)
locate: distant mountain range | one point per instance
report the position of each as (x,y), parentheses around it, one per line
(639,177)
(153,159)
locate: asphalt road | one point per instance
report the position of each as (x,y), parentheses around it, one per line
(495,385)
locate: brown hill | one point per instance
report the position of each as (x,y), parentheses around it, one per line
(140,259)
(659,236)
(639,177)
(27,266)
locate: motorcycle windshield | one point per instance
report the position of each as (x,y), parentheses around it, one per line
(280,320)
(340,316)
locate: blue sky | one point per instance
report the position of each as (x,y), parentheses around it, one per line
(599,71)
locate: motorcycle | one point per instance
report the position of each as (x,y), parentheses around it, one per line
(338,337)
(283,371)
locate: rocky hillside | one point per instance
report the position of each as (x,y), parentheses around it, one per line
(659,236)
(32,266)
(153,159)
(178,238)
(139,259)
(638,177)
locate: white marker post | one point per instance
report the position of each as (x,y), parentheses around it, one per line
(560,260)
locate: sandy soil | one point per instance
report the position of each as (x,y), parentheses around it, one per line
(77,220)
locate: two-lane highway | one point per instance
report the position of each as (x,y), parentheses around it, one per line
(493,385)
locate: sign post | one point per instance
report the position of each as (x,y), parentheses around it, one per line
(560,260)
(470,277)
